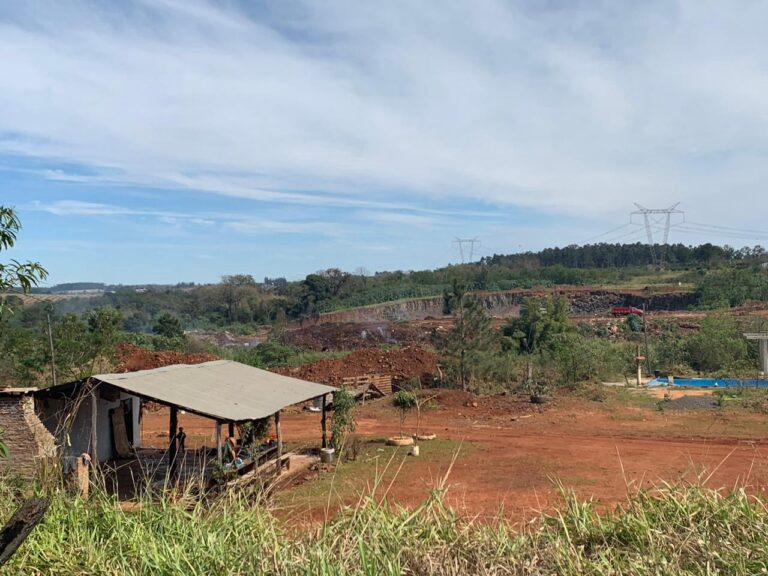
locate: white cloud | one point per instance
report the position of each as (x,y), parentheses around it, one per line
(580,108)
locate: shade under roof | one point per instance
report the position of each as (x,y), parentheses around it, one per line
(221,389)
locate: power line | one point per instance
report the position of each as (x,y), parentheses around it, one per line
(606,233)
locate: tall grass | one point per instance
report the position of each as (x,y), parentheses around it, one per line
(671,530)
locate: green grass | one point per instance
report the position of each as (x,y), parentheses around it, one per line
(669,530)
(375,462)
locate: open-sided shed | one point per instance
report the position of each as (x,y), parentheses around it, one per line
(225,391)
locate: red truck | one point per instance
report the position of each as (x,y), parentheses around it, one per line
(626,311)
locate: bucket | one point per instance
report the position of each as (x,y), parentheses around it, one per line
(414,450)
(326,455)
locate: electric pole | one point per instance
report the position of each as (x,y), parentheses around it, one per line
(469,243)
(645,339)
(654,217)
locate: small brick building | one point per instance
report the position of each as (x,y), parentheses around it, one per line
(28,440)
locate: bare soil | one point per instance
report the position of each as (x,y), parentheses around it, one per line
(511,456)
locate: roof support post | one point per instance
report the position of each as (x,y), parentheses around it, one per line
(323,423)
(173,447)
(219,454)
(94,424)
(279,434)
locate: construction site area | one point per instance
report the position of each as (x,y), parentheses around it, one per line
(168,415)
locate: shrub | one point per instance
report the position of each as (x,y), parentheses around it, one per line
(343,422)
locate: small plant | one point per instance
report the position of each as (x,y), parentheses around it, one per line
(404,401)
(255,431)
(353,449)
(343,422)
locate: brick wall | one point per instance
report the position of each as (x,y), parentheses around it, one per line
(28,440)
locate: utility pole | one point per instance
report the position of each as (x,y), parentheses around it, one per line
(645,339)
(53,354)
(470,243)
(664,220)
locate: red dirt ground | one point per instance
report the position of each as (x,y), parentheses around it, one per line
(404,363)
(516,452)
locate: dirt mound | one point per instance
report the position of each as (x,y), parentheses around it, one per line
(352,336)
(131,358)
(691,403)
(401,364)
(496,405)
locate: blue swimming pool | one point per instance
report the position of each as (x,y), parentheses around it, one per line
(709,382)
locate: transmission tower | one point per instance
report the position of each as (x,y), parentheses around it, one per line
(466,244)
(653,218)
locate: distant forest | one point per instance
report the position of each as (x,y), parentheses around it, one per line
(626,255)
(721,276)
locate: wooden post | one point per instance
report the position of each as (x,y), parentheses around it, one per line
(173,446)
(323,424)
(219,454)
(94,426)
(279,434)
(80,476)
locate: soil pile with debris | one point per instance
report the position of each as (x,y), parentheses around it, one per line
(352,336)
(690,403)
(131,358)
(476,406)
(402,364)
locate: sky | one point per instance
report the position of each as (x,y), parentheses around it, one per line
(179,140)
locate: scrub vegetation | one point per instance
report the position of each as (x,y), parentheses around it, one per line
(668,530)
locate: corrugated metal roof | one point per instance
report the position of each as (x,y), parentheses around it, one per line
(221,389)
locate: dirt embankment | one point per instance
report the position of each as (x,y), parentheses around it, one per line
(507,303)
(402,364)
(352,336)
(131,358)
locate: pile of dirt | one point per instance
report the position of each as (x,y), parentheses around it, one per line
(469,404)
(131,358)
(691,403)
(402,364)
(353,336)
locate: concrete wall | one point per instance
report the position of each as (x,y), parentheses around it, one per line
(70,421)
(28,440)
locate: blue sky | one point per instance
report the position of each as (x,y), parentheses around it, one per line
(165,140)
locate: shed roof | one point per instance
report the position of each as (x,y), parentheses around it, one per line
(17,391)
(221,389)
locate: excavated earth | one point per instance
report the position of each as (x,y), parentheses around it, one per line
(131,358)
(401,364)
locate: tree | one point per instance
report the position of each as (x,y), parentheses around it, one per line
(15,274)
(470,336)
(540,321)
(718,346)
(168,326)
(234,288)
(343,422)
(404,401)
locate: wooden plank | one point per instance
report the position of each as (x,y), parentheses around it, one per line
(382,382)
(20,526)
(323,424)
(173,424)
(279,434)
(119,433)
